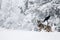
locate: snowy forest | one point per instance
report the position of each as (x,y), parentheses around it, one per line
(30,15)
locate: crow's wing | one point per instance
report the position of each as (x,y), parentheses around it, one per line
(46,18)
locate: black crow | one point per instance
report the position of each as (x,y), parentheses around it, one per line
(46,19)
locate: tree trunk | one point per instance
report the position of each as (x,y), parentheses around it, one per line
(0,3)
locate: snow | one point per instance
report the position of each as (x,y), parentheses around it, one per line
(27,35)
(8,34)
(17,25)
(12,18)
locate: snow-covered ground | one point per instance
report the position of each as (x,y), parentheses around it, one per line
(28,35)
